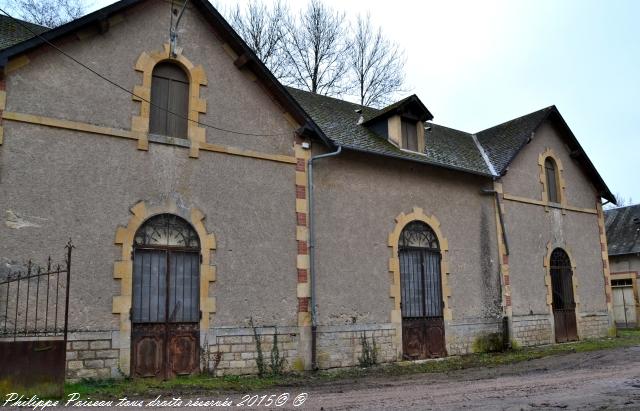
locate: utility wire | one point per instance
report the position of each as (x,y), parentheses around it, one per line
(126,90)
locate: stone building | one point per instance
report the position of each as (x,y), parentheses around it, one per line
(623,236)
(205,195)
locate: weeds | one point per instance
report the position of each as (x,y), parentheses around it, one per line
(369,356)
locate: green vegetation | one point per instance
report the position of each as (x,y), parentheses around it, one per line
(207,384)
(492,342)
(369,356)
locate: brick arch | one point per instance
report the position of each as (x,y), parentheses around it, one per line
(123,268)
(416,214)
(197,78)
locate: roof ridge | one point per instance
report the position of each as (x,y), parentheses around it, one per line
(450,128)
(517,118)
(332,98)
(620,208)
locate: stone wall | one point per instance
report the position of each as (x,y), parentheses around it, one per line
(593,325)
(531,330)
(92,355)
(341,346)
(233,351)
(461,336)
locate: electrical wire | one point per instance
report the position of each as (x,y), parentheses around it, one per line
(113,83)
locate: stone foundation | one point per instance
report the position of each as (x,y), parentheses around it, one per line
(461,336)
(341,345)
(92,355)
(529,330)
(233,351)
(593,325)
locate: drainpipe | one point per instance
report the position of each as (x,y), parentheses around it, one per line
(506,338)
(312,241)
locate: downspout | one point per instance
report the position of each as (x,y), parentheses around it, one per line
(312,241)
(506,338)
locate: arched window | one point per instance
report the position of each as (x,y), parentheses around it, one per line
(421,292)
(551,172)
(169,94)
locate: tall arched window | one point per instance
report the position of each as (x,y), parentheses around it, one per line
(165,310)
(169,95)
(551,172)
(421,292)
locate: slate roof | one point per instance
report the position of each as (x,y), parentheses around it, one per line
(503,142)
(338,120)
(623,230)
(13,33)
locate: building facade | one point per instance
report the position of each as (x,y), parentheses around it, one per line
(623,235)
(209,204)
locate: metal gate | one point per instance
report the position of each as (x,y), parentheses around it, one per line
(421,293)
(165,313)
(564,307)
(34,310)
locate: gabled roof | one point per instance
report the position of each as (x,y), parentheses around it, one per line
(623,230)
(338,120)
(246,56)
(13,33)
(503,142)
(408,104)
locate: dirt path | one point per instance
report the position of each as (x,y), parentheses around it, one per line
(586,381)
(607,379)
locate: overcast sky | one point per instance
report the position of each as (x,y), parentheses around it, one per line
(479,63)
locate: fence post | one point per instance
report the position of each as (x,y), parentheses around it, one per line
(69,247)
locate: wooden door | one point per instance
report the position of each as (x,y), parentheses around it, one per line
(165,312)
(624,303)
(564,307)
(421,294)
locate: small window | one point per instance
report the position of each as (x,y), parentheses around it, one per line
(169,94)
(409,135)
(551,172)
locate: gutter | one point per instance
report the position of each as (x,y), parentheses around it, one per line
(312,241)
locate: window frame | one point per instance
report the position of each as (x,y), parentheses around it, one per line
(174,125)
(553,193)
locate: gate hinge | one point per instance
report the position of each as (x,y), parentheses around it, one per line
(130,314)
(200,258)
(201,314)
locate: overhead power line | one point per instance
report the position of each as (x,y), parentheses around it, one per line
(126,90)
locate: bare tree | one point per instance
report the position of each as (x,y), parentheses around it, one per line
(262,28)
(48,13)
(316,47)
(376,64)
(621,201)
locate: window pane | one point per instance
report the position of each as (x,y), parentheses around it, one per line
(552,187)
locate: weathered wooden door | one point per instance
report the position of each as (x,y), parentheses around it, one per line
(624,303)
(421,289)
(564,307)
(165,313)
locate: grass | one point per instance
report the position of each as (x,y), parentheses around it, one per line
(133,388)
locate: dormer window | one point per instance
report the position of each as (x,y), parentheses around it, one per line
(409,135)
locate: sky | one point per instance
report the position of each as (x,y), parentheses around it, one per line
(476,64)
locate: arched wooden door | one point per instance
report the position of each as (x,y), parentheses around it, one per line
(421,293)
(165,313)
(564,306)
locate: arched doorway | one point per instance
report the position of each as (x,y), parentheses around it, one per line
(564,306)
(421,292)
(165,311)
